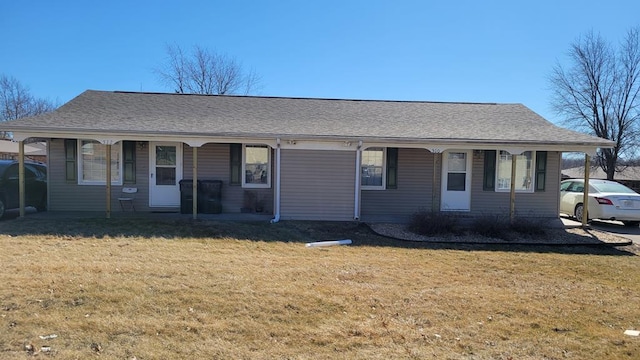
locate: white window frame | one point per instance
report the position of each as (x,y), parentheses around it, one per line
(384,170)
(81,180)
(532,172)
(244,167)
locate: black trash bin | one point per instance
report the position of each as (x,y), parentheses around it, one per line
(186,196)
(210,196)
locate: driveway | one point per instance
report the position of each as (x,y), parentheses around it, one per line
(613,227)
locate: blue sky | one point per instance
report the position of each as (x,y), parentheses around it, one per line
(469,51)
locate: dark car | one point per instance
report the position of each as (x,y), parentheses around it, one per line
(35,185)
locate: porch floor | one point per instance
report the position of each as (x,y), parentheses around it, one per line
(32,213)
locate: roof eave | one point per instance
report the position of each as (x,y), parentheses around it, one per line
(22,133)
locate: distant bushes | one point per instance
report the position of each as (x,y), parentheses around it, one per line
(433,223)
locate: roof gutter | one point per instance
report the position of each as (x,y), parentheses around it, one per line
(21,133)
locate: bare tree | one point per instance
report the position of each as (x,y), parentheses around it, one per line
(599,93)
(17,102)
(205,72)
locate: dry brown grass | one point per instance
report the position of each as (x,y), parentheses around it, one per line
(124,289)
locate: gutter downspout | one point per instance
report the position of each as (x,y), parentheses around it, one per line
(276,197)
(356,201)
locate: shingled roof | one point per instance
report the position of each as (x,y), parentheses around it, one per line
(305,118)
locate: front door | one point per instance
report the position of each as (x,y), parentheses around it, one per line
(456,181)
(165,173)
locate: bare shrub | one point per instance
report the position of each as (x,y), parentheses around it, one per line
(499,227)
(528,226)
(491,226)
(430,223)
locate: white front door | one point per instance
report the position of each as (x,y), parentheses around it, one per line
(165,173)
(456,181)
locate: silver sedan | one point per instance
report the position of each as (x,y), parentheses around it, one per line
(608,200)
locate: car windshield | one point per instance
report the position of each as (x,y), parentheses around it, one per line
(612,187)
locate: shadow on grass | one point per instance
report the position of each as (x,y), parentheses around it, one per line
(284,231)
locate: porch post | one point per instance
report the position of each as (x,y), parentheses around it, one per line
(436,156)
(21,176)
(585,191)
(108,180)
(194,189)
(356,204)
(276,190)
(512,195)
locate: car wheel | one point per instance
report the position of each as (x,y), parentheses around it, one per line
(579,212)
(631,223)
(42,206)
(2,208)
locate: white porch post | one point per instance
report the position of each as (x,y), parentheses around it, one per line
(512,195)
(357,185)
(108,179)
(194,185)
(21,176)
(585,191)
(437,159)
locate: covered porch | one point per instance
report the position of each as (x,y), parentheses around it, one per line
(429,159)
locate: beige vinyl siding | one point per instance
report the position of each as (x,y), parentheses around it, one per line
(69,196)
(213,164)
(142,181)
(414,192)
(317,185)
(535,204)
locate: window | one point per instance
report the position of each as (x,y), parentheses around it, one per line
(13,172)
(493,172)
(166,164)
(379,169)
(39,171)
(456,171)
(256,161)
(524,171)
(372,174)
(92,168)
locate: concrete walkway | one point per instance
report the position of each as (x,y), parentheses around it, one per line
(612,227)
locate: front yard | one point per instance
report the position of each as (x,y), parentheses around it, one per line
(149,289)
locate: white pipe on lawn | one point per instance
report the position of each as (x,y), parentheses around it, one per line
(276,194)
(356,202)
(329,243)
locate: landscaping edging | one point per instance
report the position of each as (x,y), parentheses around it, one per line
(559,237)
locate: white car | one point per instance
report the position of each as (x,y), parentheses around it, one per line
(608,200)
